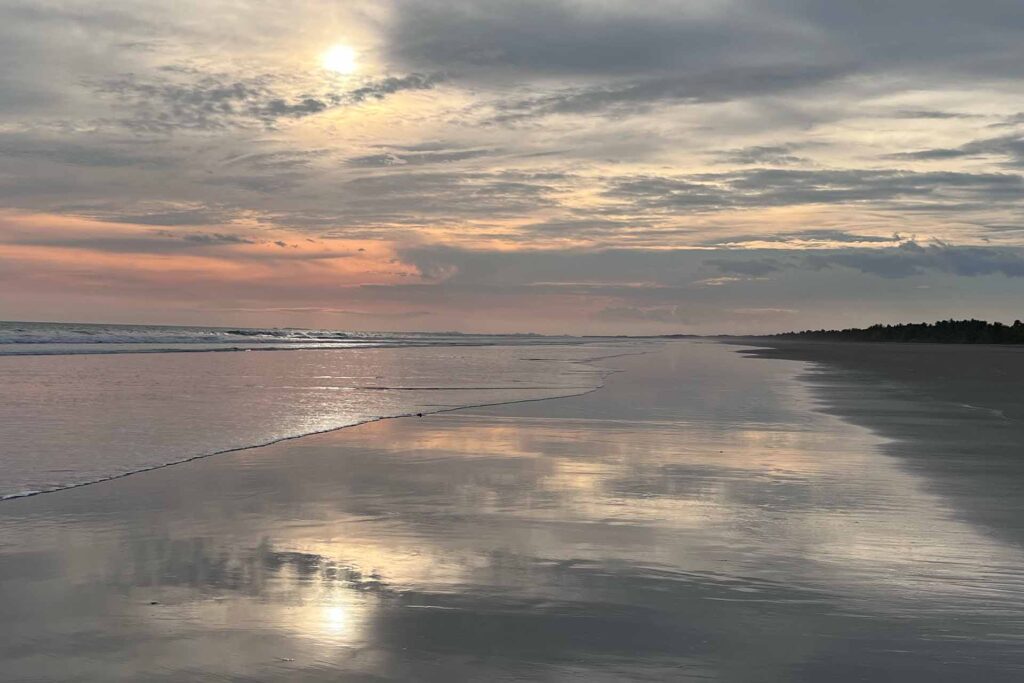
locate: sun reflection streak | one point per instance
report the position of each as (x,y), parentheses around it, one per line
(336,619)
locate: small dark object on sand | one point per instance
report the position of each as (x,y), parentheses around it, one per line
(419,414)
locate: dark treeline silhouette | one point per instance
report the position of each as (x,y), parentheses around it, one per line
(942,332)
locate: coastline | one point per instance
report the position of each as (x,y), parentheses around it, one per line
(109,416)
(939,407)
(980,374)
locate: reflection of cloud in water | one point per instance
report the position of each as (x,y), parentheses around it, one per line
(508,539)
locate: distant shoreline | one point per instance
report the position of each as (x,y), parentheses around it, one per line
(941,332)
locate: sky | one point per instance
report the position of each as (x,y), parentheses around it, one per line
(554,166)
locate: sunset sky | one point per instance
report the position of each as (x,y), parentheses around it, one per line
(581,166)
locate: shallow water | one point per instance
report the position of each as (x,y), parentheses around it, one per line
(696,519)
(71,419)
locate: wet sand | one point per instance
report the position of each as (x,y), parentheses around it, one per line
(952,413)
(700,518)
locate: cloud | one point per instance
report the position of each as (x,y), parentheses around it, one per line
(369,315)
(932,114)
(195,216)
(561,37)
(591,38)
(1010,146)
(159,242)
(911,258)
(209,237)
(275,161)
(398,196)
(189,99)
(538,157)
(581,228)
(604,267)
(773,187)
(661,273)
(753,268)
(416,158)
(906,259)
(63,151)
(977,39)
(693,88)
(773,155)
(818,238)
(381,88)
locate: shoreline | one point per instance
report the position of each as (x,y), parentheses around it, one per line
(698,517)
(601,373)
(935,405)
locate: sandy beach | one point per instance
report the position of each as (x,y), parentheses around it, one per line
(704,516)
(953,413)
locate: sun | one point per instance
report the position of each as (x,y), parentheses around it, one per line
(340,59)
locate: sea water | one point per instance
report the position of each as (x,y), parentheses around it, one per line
(85,403)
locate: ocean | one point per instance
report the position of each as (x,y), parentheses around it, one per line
(43,338)
(83,403)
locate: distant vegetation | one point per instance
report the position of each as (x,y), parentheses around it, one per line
(942,332)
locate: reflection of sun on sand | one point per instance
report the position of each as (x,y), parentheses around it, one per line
(335,619)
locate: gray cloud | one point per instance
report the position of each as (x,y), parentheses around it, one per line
(63,151)
(765,187)
(581,228)
(772,155)
(182,241)
(911,258)
(809,235)
(416,157)
(1010,146)
(763,288)
(276,161)
(197,216)
(160,242)
(398,196)
(559,38)
(748,267)
(383,87)
(382,316)
(638,269)
(978,38)
(194,100)
(693,88)
(907,259)
(933,114)
(210,238)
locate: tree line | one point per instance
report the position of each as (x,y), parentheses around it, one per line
(942,332)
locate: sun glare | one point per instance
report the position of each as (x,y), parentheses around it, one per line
(340,59)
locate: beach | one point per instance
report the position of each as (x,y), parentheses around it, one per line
(701,515)
(952,412)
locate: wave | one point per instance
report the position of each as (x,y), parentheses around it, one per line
(34,338)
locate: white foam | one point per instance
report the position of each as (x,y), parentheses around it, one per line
(31,338)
